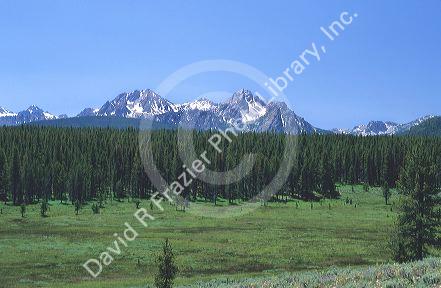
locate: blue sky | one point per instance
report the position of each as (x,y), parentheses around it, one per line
(67,55)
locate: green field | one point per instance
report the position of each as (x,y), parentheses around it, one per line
(49,252)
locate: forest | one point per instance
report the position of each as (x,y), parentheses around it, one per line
(95,164)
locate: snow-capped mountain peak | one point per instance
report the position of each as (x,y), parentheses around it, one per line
(33,108)
(38,113)
(245,96)
(375,128)
(245,105)
(6,113)
(89,112)
(32,114)
(137,104)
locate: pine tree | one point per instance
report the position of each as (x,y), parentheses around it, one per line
(3,177)
(119,190)
(167,268)
(17,193)
(386,192)
(327,185)
(306,183)
(419,218)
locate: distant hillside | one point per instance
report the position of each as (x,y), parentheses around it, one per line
(430,127)
(376,128)
(96,122)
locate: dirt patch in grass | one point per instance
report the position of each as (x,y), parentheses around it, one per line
(346,261)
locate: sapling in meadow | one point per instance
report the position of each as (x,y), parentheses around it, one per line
(386,193)
(77,207)
(23,210)
(44,207)
(96,208)
(167,268)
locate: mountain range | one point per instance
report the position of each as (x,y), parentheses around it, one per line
(243,108)
(375,128)
(32,114)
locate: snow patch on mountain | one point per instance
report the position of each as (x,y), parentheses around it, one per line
(255,111)
(200,104)
(49,116)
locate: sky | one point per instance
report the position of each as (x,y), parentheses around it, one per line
(67,55)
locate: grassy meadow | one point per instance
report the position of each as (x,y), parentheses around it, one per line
(426,273)
(279,238)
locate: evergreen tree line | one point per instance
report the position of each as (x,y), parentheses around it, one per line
(80,165)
